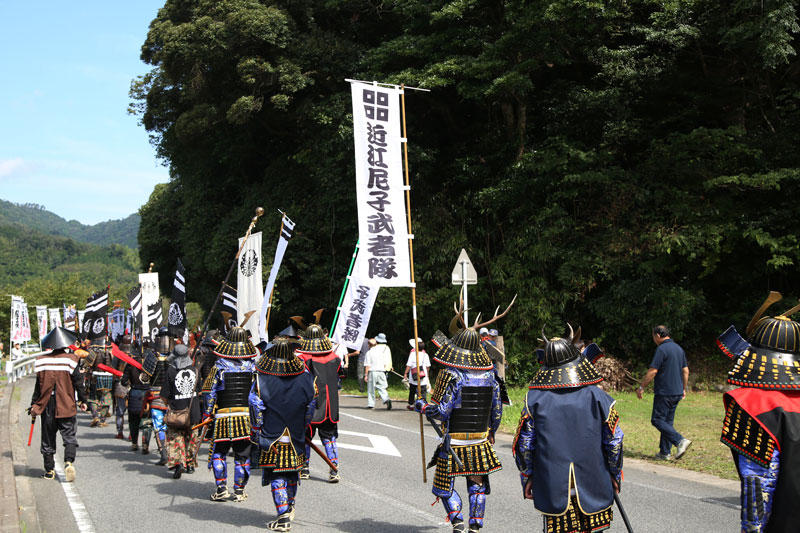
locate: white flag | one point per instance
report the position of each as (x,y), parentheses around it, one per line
(41,318)
(287,230)
(380,188)
(55,318)
(19,313)
(150,295)
(356,309)
(250,285)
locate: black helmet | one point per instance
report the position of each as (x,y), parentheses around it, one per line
(563,366)
(163,342)
(315,340)
(770,358)
(279,359)
(59,339)
(236,345)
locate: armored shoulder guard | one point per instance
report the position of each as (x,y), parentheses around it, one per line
(209,382)
(443,380)
(613,418)
(742,433)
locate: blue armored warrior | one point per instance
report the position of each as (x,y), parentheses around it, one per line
(230,381)
(568,445)
(281,406)
(466,401)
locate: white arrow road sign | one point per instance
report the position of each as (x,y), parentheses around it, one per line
(379,444)
(464,271)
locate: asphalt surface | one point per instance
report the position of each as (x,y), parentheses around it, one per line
(381,488)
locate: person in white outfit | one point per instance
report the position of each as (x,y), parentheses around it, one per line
(377,363)
(411,373)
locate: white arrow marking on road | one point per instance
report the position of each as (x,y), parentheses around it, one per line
(380,444)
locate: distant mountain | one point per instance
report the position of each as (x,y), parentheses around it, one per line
(36,217)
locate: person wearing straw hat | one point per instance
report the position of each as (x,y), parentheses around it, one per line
(227,402)
(377,363)
(282,403)
(412,376)
(316,351)
(568,445)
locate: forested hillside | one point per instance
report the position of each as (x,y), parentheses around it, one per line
(617,164)
(51,270)
(35,216)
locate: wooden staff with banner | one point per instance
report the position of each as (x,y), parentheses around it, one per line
(259,212)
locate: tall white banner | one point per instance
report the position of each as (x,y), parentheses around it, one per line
(356,309)
(41,319)
(250,285)
(287,230)
(116,322)
(150,295)
(55,317)
(20,324)
(380,188)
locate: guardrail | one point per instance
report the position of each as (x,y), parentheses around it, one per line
(21,367)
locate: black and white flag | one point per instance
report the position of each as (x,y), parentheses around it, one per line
(228,310)
(249,285)
(154,319)
(135,301)
(177,309)
(287,230)
(94,321)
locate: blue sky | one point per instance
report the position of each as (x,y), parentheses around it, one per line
(66,140)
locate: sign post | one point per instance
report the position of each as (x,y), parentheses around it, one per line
(464,274)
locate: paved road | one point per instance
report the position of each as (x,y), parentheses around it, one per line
(381,488)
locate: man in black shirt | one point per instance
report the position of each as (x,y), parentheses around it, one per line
(671,374)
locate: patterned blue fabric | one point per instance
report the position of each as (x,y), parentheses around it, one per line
(241,472)
(331,450)
(224,365)
(452,506)
(758,488)
(477,503)
(284,489)
(158,423)
(220,467)
(278,403)
(451,399)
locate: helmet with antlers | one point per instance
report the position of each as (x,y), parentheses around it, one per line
(313,337)
(563,366)
(464,349)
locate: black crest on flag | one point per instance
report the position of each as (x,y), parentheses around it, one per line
(176,316)
(248,263)
(94,321)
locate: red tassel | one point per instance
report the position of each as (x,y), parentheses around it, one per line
(122,356)
(101,366)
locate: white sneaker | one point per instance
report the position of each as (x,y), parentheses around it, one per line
(682,447)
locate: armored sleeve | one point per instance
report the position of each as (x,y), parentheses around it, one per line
(524,446)
(312,405)
(217,384)
(77,384)
(612,444)
(256,407)
(496,414)
(445,394)
(758,488)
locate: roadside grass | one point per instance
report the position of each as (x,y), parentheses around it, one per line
(699,418)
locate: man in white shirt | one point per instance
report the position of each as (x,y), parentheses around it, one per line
(411,373)
(16,352)
(376,364)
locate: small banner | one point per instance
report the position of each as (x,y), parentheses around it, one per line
(356,309)
(228,310)
(55,318)
(380,189)
(154,320)
(250,289)
(94,321)
(41,319)
(20,323)
(70,314)
(130,322)
(177,309)
(148,281)
(287,230)
(117,323)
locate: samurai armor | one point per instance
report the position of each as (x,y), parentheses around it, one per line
(280,360)
(281,457)
(236,345)
(236,391)
(574,521)
(465,351)
(563,366)
(231,423)
(315,340)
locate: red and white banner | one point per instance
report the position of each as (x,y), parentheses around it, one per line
(41,319)
(55,317)
(380,188)
(20,323)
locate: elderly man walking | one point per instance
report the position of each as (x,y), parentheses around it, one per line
(377,363)
(670,374)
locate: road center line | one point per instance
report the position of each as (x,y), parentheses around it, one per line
(82,518)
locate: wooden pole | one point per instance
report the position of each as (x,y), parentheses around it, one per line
(413,284)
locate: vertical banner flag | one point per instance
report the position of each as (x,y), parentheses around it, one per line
(249,286)
(20,323)
(150,295)
(94,321)
(70,313)
(228,310)
(117,323)
(41,318)
(177,309)
(380,188)
(81,317)
(130,322)
(135,300)
(55,318)
(356,309)
(287,230)
(154,319)
(26,323)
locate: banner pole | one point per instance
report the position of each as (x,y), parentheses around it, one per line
(413,284)
(271,292)
(344,289)
(259,212)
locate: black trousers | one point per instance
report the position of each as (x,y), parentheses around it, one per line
(133,425)
(51,425)
(241,448)
(412,393)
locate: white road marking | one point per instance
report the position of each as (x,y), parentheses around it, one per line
(82,518)
(380,444)
(406,430)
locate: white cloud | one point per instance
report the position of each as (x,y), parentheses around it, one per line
(9,167)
